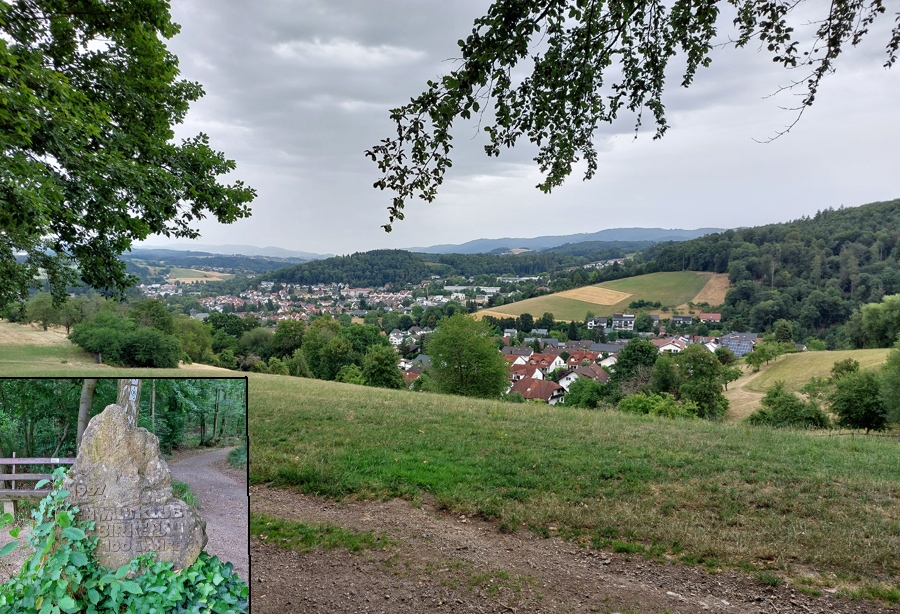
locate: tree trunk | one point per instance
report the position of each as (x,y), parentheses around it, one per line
(129,398)
(61,439)
(153,405)
(84,408)
(215,424)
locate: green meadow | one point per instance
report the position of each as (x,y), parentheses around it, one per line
(795,370)
(671,289)
(695,491)
(823,511)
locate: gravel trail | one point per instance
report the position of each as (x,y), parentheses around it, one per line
(224,504)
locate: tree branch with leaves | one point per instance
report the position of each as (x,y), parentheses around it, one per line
(590,61)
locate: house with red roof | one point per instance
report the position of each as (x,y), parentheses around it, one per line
(544,390)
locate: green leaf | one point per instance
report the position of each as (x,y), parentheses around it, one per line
(8,548)
(93,596)
(121,571)
(73,533)
(63,519)
(41,484)
(132,587)
(67,604)
(79,559)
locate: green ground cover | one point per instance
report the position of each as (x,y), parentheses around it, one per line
(724,495)
(700,492)
(671,289)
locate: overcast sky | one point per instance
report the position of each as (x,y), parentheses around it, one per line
(297,90)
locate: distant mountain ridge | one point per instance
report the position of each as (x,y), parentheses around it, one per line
(231,250)
(483,246)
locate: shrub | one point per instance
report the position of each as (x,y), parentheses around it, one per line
(782,409)
(664,405)
(149,347)
(277,367)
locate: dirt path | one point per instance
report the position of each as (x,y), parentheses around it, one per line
(453,564)
(223,503)
(743,402)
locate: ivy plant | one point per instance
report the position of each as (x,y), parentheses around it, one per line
(62,574)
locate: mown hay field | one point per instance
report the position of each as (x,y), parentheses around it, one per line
(28,348)
(670,289)
(188,275)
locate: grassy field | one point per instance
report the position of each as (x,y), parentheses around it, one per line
(30,349)
(797,369)
(671,289)
(189,275)
(821,509)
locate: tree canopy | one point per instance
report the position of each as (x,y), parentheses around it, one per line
(464,359)
(89,165)
(591,60)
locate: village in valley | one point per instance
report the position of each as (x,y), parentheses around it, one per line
(542,364)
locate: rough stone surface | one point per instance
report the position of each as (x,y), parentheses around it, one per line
(121,483)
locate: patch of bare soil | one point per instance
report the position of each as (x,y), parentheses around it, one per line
(449,563)
(12,562)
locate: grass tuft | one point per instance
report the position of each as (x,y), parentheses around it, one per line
(238,457)
(183,491)
(305,538)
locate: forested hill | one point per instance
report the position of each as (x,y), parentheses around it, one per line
(382,267)
(812,271)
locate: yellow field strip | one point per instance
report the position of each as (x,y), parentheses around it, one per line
(598,296)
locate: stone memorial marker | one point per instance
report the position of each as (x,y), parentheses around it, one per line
(122,483)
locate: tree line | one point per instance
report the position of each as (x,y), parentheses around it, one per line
(812,272)
(399,267)
(46,417)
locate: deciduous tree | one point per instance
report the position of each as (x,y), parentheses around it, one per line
(89,165)
(465,361)
(379,368)
(857,401)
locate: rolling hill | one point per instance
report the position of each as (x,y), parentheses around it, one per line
(671,289)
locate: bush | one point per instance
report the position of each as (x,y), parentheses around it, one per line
(664,405)
(782,409)
(149,347)
(277,367)
(857,401)
(63,576)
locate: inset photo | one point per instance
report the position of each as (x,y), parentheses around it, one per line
(128,494)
